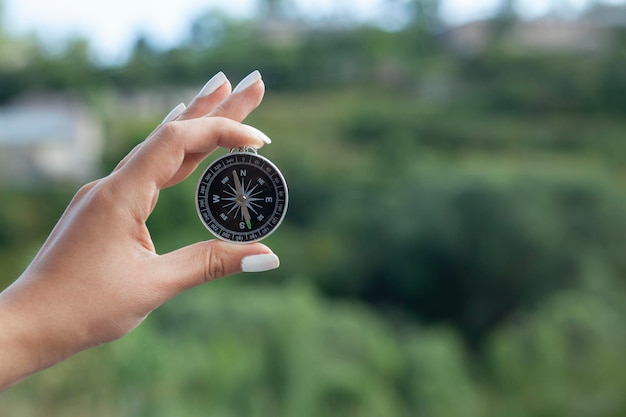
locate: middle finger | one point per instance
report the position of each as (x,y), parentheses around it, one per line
(210,96)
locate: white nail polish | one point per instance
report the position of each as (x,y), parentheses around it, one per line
(174,113)
(256,132)
(260,263)
(213,84)
(250,79)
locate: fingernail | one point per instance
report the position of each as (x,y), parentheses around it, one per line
(260,263)
(256,132)
(174,113)
(252,78)
(213,84)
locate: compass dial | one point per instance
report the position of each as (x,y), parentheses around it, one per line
(241,197)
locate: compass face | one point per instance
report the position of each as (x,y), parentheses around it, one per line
(241,197)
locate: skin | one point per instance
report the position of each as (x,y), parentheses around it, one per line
(98,276)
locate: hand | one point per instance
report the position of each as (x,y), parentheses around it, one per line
(98,275)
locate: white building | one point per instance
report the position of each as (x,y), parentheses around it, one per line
(49,139)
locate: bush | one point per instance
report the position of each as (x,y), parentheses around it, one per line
(471,250)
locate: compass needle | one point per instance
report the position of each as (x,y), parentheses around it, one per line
(238,188)
(242,200)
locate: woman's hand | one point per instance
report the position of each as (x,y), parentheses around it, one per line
(98,275)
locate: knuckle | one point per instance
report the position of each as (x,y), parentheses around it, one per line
(215,265)
(86,189)
(99,196)
(171,130)
(86,194)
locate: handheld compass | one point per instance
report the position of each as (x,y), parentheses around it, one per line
(242,197)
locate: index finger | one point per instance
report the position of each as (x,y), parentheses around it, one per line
(157,164)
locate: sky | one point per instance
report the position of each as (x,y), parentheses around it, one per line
(113,25)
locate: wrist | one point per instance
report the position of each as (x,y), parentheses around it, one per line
(24,349)
(17,358)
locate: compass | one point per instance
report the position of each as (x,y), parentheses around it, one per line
(242,197)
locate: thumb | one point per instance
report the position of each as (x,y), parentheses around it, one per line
(205,261)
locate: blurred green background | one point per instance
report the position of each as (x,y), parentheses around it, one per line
(456,237)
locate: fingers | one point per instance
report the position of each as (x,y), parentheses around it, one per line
(205,261)
(172,115)
(174,151)
(244,99)
(214,99)
(209,97)
(193,159)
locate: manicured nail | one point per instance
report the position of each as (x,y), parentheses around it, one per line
(213,84)
(260,263)
(256,132)
(252,78)
(174,113)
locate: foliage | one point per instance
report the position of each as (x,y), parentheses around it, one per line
(290,352)
(470,251)
(567,358)
(287,353)
(453,246)
(24,222)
